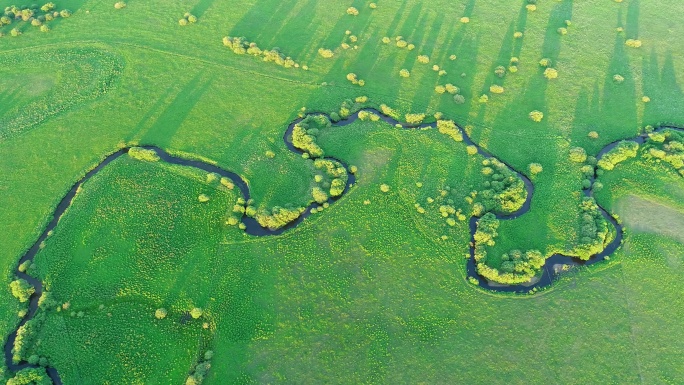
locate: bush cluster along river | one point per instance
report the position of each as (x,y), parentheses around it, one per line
(549,270)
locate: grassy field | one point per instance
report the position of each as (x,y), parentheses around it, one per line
(369,290)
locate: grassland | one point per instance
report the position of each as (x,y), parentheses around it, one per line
(360,293)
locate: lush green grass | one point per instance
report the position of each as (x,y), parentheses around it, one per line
(362,293)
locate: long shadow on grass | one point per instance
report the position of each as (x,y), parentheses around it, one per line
(632,28)
(660,85)
(618,117)
(201,8)
(168,123)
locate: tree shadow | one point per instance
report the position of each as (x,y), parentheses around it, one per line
(201,8)
(74,6)
(150,113)
(262,15)
(660,85)
(168,123)
(618,117)
(553,40)
(632,27)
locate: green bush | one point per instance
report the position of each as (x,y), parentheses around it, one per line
(160,313)
(196,312)
(22,290)
(30,376)
(578,154)
(623,151)
(503,191)
(143,154)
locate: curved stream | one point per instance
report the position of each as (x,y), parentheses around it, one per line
(253,227)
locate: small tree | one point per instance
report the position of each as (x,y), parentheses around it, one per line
(536,116)
(196,313)
(535,168)
(160,313)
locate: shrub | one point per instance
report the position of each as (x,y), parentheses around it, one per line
(44,28)
(415,118)
(518,35)
(593,230)
(386,40)
(578,154)
(618,78)
(203,198)
(319,195)
(459,99)
(389,111)
(440,89)
(183,22)
(449,128)
(471,149)
(196,312)
(593,135)
(435,68)
(451,89)
(536,116)
(562,31)
(278,217)
(500,71)
(545,62)
(550,73)
(633,43)
(623,151)
(143,154)
(373,5)
(645,99)
(496,89)
(535,168)
(423,59)
(452,57)
(402,43)
(465,20)
(192,18)
(48,7)
(483,98)
(120,5)
(352,11)
(65,13)
(384,188)
(160,313)
(531,7)
(404,73)
(15,32)
(22,290)
(306,142)
(27,376)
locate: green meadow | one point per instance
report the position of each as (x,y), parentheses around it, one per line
(373,287)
